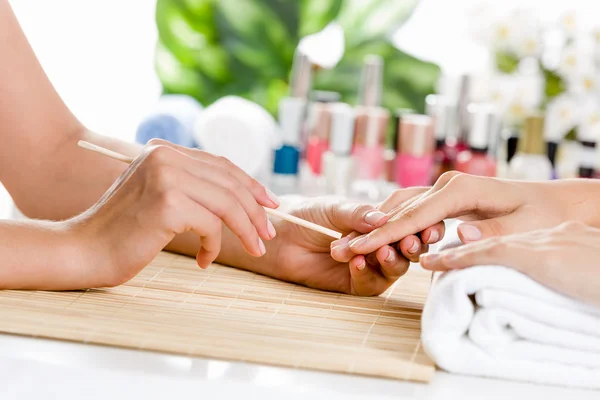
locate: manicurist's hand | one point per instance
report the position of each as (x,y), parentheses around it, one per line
(564,258)
(303,256)
(492,206)
(169,190)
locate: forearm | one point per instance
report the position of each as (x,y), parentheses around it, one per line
(41,255)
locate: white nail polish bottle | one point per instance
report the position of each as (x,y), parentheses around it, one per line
(339,167)
(531,163)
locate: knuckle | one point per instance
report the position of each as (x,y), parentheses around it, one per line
(446,177)
(459,180)
(157,142)
(159,154)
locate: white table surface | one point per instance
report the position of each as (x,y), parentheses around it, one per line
(33,368)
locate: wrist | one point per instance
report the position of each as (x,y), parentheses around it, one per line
(580,200)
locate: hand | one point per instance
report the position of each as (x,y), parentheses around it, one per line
(410,246)
(303,256)
(493,206)
(563,258)
(169,190)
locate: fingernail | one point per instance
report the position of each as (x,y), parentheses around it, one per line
(272,197)
(429,258)
(261,246)
(361,266)
(374,217)
(434,236)
(340,242)
(414,247)
(271,229)
(470,232)
(359,241)
(390,257)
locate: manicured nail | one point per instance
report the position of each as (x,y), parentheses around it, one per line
(391,258)
(361,266)
(261,246)
(359,241)
(434,236)
(271,229)
(429,258)
(470,232)
(272,197)
(340,242)
(374,217)
(414,247)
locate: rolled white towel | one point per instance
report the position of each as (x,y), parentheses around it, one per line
(496,322)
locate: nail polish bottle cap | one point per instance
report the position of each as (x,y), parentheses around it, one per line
(371,126)
(371,82)
(463,101)
(398,115)
(416,135)
(442,112)
(301,76)
(291,118)
(319,121)
(532,139)
(324,96)
(342,129)
(484,123)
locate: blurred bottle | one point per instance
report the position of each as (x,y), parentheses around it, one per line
(530,161)
(371,121)
(292,115)
(587,137)
(414,162)
(389,154)
(477,160)
(462,113)
(339,167)
(172,119)
(442,113)
(318,128)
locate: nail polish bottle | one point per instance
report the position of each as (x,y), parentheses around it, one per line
(462,113)
(389,154)
(442,113)
(477,160)
(339,167)
(587,159)
(319,121)
(414,163)
(371,122)
(292,116)
(531,162)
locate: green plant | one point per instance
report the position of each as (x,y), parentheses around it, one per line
(212,48)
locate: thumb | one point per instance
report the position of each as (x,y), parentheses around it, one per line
(474,231)
(356,217)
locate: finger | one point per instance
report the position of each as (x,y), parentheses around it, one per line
(478,230)
(434,233)
(340,251)
(225,206)
(452,200)
(364,281)
(391,264)
(401,197)
(195,218)
(348,217)
(494,251)
(411,247)
(165,157)
(264,196)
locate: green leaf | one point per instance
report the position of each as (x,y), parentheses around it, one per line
(315,15)
(555,85)
(506,63)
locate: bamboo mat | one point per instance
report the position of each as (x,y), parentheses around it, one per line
(173,306)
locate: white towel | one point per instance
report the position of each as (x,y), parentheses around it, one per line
(493,321)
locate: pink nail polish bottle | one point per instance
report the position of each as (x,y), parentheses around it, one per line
(477,160)
(371,122)
(414,163)
(318,138)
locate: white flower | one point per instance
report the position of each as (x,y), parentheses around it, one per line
(324,48)
(576,58)
(585,82)
(562,115)
(516,96)
(589,126)
(574,22)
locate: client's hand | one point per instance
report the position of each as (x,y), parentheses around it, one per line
(564,258)
(494,207)
(301,255)
(169,190)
